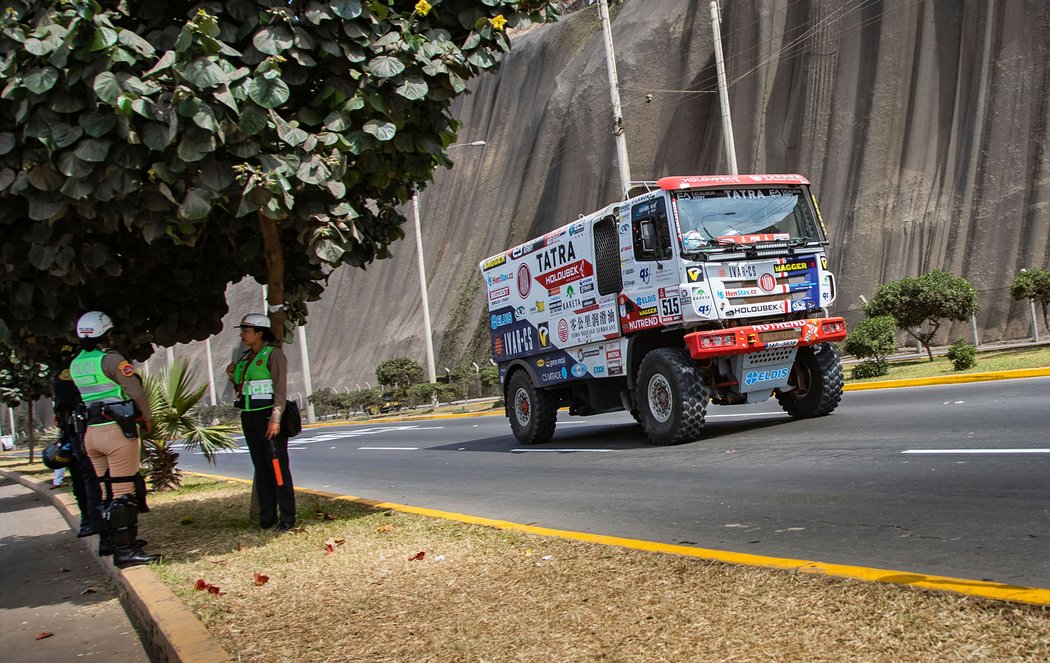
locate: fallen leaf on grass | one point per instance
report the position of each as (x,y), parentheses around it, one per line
(261,579)
(418,556)
(329,549)
(64,570)
(45,634)
(217,561)
(324,515)
(297,530)
(89,590)
(385,528)
(201,585)
(240,546)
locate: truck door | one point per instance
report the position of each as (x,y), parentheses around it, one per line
(650,282)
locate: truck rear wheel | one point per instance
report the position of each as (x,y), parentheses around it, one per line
(672,397)
(817,378)
(533,412)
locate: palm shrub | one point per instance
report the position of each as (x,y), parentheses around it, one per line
(171,396)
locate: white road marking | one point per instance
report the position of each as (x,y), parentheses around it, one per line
(389,448)
(600,451)
(976,451)
(299,443)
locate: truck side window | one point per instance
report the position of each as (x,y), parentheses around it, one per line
(607,256)
(652,239)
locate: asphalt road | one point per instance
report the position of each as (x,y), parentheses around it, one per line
(858,487)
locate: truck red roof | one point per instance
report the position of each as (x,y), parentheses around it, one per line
(706,181)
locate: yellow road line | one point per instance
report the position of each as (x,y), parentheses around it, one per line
(951,379)
(979,588)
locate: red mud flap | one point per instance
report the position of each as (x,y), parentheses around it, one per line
(754,338)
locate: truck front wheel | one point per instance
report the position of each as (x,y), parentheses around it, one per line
(817,380)
(672,397)
(533,412)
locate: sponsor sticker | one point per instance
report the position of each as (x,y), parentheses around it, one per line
(563,331)
(499,293)
(126,369)
(524,281)
(494,262)
(775,375)
(694,274)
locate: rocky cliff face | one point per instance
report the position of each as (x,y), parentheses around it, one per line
(924,125)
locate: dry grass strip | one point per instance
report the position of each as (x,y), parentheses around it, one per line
(481,594)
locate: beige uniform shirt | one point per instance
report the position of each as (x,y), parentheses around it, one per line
(118,369)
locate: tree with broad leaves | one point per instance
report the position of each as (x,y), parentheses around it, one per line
(154,151)
(1034,284)
(920,305)
(23,381)
(400,371)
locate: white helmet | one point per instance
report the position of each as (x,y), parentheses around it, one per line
(93,324)
(255,320)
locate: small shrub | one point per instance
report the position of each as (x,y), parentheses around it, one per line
(873,338)
(870,368)
(962,354)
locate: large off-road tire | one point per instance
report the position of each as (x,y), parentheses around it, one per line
(817,378)
(533,412)
(672,396)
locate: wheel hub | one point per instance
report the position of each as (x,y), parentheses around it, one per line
(661,403)
(522,407)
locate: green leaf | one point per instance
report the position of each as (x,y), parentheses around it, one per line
(41,80)
(292,135)
(195,145)
(38,48)
(328,251)
(42,256)
(313,170)
(104,38)
(268,93)
(385,66)
(380,129)
(273,39)
(77,189)
(204,73)
(135,43)
(97,125)
(413,89)
(7,142)
(205,119)
(65,135)
(346,9)
(195,205)
(45,209)
(92,151)
(163,63)
(253,120)
(44,178)
(70,166)
(107,87)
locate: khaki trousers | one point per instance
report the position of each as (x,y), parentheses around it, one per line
(109,450)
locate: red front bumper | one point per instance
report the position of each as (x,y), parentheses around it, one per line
(754,338)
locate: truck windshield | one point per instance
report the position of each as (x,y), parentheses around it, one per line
(719,218)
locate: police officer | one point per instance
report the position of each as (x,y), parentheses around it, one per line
(260,378)
(114,401)
(66,400)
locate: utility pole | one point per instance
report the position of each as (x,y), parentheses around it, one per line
(211,372)
(431,374)
(304,355)
(723,90)
(619,131)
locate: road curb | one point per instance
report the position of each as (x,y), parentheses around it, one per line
(951,379)
(977,588)
(170,632)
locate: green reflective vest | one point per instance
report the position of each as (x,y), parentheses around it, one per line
(254,382)
(94,385)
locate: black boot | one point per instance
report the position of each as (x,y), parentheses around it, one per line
(85,529)
(122,524)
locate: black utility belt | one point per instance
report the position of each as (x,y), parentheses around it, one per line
(122,412)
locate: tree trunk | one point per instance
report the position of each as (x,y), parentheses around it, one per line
(32,435)
(275,274)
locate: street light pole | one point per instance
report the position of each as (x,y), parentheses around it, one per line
(427,332)
(723,90)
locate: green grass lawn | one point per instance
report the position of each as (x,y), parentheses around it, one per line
(993,360)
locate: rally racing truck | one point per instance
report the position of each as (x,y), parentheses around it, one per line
(708,289)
